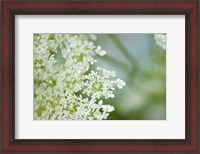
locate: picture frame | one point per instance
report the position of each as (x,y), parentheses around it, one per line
(190,9)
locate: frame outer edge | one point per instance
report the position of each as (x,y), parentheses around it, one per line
(1,78)
(5,77)
(194,78)
(3,85)
(198,108)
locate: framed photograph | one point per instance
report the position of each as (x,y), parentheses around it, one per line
(103,76)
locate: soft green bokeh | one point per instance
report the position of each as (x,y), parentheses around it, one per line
(141,63)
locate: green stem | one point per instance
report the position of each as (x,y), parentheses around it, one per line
(125,52)
(122,48)
(115,62)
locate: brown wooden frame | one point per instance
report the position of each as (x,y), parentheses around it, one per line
(189,8)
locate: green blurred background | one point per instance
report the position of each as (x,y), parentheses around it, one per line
(141,63)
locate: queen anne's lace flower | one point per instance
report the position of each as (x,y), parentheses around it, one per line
(160,40)
(64,86)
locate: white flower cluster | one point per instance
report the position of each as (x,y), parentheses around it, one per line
(65,87)
(160,40)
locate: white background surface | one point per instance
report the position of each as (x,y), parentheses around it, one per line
(172,128)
